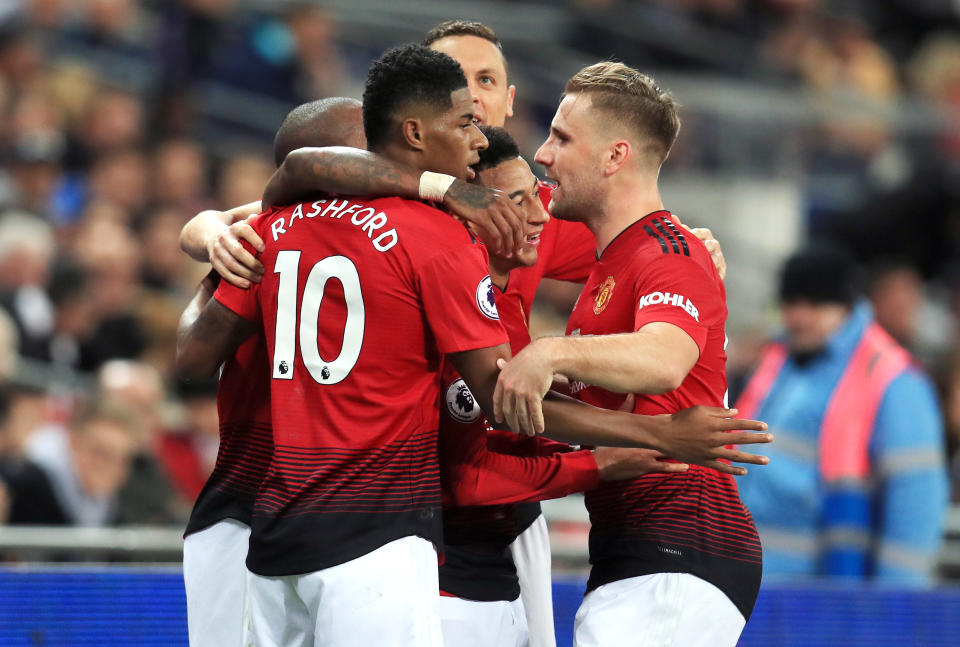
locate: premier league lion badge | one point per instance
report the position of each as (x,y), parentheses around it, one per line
(460,403)
(485,300)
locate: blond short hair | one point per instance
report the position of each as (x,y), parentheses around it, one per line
(632,98)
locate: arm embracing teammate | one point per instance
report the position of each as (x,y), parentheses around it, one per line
(650,321)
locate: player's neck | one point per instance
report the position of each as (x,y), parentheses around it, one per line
(402,155)
(624,204)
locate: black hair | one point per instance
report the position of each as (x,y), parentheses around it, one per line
(501,148)
(68,280)
(405,75)
(325,122)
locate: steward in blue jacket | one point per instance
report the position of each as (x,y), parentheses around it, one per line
(856,485)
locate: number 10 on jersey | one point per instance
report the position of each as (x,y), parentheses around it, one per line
(285,341)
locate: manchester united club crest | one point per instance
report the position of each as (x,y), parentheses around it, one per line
(604,294)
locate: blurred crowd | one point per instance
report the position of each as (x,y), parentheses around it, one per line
(122,119)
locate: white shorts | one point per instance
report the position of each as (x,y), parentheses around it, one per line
(467,623)
(386,598)
(531,554)
(215,578)
(656,611)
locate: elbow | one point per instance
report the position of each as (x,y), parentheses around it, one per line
(667,379)
(191,365)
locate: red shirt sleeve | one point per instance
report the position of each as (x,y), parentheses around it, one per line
(507,442)
(244,302)
(490,478)
(458,297)
(676,290)
(573,255)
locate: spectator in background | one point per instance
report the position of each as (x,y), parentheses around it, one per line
(856,485)
(147,495)
(84,467)
(189,454)
(27,492)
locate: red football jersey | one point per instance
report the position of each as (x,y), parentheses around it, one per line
(480,468)
(485,473)
(567,252)
(246,438)
(686,522)
(358,302)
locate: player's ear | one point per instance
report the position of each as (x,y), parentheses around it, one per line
(617,154)
(412,129)
(512,90)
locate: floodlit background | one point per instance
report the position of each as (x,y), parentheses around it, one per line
(122,119)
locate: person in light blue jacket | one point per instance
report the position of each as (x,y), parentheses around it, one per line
(857,485)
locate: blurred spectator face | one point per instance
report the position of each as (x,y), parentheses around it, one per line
(48,14)
(112,256)
(313,31)
(36,113)
(8,347)
(110,16)
(26,250)
(180,173)
(27,410)
(113,120)
(160,242)
(486,71)
(20,60)
(70,293)
(102,452)
(809,324)
(139,387)
(242,179)
(36,167)
(76,315)
(121,178)
(897,296)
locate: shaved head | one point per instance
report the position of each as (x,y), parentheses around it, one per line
(336,121)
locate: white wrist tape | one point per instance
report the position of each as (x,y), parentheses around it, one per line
(433,186)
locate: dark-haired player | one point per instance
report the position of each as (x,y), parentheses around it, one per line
(675,557)
(345,521)
(566,250)
(217,534)
(486,473)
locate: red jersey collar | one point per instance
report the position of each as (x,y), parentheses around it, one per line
(634,226)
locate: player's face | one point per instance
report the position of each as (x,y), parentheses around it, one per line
(486,72)
(810,325)
(452,141)
(515,178)
(571,160)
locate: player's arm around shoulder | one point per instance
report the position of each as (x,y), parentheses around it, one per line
(220,317)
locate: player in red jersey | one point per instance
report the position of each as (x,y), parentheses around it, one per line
(345,516)
(217,534)
(566,249)
(485,472)
(675,558)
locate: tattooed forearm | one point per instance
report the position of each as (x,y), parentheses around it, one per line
(341,170)
(471,195)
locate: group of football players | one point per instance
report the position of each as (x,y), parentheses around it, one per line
(384,414)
